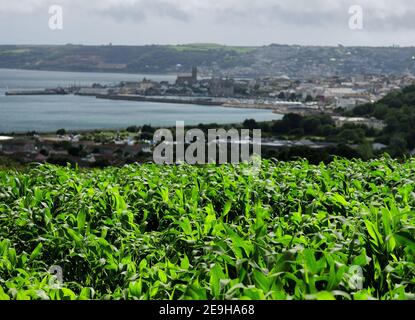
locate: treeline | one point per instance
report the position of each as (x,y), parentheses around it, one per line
(397,110)
(349,141)
(322,126)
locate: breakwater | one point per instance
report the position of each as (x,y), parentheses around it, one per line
(193,101)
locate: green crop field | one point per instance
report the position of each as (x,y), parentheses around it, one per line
(293,231)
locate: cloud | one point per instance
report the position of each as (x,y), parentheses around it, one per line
(21,6)
(225,21)
(140,10)
(378,13)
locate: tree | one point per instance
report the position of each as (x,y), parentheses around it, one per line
(365,150)
(395,103)
(293,97)
(363,110)
(349,136)
(328,130)
(61,132)
(397,146)
(133,129)
(380,111)
(311,126)
(148,129)
(250,124)
(294,120)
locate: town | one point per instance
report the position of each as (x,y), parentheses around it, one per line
(335,98)
(312,95)
(282,94)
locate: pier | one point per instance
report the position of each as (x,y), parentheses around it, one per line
(44,92)
(130,97)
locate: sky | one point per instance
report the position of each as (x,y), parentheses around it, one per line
(230,22)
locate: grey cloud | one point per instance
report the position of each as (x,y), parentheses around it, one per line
(224,21)
(313,16)
(374,21)
(143,10)
(397,16)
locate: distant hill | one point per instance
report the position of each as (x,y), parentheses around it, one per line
(213,59)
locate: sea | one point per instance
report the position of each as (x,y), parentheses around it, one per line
(20,114)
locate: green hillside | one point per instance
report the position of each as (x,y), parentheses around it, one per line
(291,231)
(212,58)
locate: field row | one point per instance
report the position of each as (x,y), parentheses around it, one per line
(287,231)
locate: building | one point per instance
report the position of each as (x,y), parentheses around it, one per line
(26,146)
(187,79)
(3,140)
(369,122)
(350,103)
(222,88)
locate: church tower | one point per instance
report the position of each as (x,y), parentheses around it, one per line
(194,74)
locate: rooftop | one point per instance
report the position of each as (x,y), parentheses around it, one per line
(4,138)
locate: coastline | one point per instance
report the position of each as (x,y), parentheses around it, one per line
(128,97)
(91,71)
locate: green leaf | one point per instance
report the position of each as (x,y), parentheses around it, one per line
(185,264)
(68,294)
(362,259)
(143,265)
(4,246)
(135,288)
(36,252)
(12,256)
(405,238)
(81,219)
(262,280)
(374,233)
(3,295)
(75,236)
(226,208)
(253,294)
(340,199)
(162,276)
(87,294)
(322,295)
(216,274)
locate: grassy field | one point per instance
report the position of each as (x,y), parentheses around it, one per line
(291,231)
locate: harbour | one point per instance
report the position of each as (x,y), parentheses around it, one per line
(48,113)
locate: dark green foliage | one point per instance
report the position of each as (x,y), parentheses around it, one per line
(287,231)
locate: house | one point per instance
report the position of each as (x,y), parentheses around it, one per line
(148,87)
(18,146)
(221,88)
(187,79)
(3,140)
(349,103)
(369,122)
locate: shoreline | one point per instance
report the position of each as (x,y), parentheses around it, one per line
(278,109)
(89,72)
(109,130)
(171,100)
